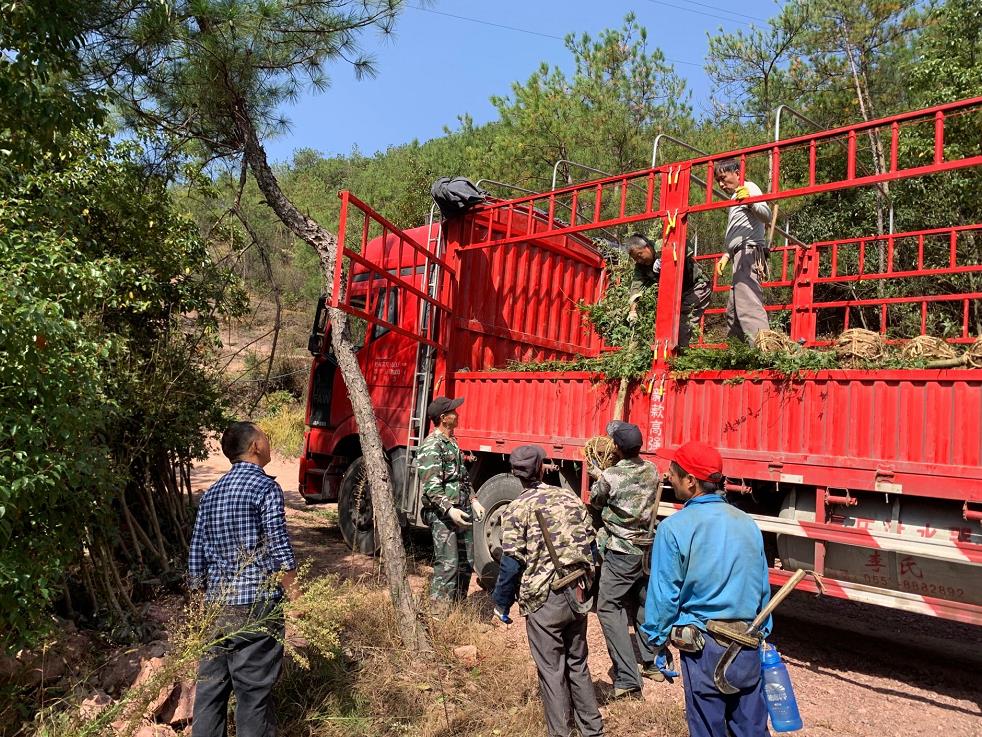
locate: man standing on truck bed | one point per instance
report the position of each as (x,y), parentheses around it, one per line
(746,245)
(625,494)
(447,506)
(696,289)
(708,565)
(546,539)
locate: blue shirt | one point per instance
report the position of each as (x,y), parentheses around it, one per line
(707,562)
(240,538)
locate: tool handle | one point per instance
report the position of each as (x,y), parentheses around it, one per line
(781,595)
(547,538)
(567,579)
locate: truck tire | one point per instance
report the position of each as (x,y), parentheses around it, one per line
(356,517)
(356,514)
(495,495)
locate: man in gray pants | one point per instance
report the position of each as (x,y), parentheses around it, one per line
(624,494)
(746,245)
(555,614)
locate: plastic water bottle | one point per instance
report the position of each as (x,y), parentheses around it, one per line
(778,693)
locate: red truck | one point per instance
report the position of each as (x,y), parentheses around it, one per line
(872,478)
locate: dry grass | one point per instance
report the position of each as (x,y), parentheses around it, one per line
(381,689)
(354,679)
(282,419)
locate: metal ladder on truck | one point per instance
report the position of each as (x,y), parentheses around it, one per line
(425,361)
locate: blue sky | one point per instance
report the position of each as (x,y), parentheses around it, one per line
(437,67)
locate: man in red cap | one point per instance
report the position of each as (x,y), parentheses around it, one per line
(707,564)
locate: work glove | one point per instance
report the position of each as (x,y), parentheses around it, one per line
(459,517)
(665,663)
(502,616)
(741,193)
(477,510)
(721,264)
(593,471)
(632,316)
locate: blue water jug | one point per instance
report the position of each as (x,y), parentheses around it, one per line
(778,693)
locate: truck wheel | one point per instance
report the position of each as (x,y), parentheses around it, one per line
(495,495)
(356,516)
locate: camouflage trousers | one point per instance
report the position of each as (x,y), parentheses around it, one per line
(453,558)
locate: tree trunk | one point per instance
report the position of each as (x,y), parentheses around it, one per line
(325,244)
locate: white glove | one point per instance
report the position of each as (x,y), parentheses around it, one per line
(632,317)
(459,517)
(593,471)
(477,510)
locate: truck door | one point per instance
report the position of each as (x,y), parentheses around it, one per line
(387,359)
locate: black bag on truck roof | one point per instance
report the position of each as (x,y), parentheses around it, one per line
(456,195)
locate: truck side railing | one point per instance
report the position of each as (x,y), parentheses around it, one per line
(803,299)
(815,293)
(359,223)
(794,161)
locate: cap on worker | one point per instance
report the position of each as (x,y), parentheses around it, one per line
(442,405)
(627,436)
(526,460)
(612,426)
(697,459)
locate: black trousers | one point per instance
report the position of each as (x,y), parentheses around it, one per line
(557,639)
(247,662)
(623,586)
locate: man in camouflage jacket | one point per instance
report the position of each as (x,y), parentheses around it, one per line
(447,504)
(697,290)
(625,495)
(556,631)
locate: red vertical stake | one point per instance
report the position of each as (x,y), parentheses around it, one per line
(851,156)
(803,318)
(811,162)
(339,260)
(938,137)
(894,143)
(674,202)
(775,170)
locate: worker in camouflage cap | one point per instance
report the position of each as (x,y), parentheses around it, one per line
(448,505)
(556,629)
(624,494)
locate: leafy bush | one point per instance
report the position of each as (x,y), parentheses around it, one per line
(107,386)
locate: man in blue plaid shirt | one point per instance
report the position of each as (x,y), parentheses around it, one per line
(238,551)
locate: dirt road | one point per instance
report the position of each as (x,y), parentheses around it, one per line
(858,670)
